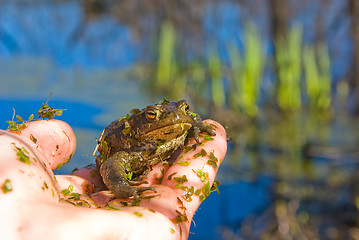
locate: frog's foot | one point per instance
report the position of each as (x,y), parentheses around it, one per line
(129,191)
(114,176)
(140,190)
(198,127)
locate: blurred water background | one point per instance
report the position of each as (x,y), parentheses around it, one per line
(281,75)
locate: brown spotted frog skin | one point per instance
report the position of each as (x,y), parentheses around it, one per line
(130,146)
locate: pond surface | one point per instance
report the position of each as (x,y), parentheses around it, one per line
(91,76)
(93,99)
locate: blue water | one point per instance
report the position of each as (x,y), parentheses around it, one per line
(237,201)
(46,47)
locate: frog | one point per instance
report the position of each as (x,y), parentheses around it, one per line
(130,146)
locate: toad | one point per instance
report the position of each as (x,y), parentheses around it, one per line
(130,146)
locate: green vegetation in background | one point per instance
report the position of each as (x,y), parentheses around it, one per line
(166,59)
(197,75)
(317,76)
(342,93)
(236,87)
(288,63)
(216,77)
(169,77)
(246,72)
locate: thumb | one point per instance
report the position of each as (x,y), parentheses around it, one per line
(54,138)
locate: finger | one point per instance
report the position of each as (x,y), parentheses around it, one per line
(54,138)
(25,170)
(92,175)
(194,172)
(74,184)
(60,221)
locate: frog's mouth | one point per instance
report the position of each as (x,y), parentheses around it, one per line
(167,132)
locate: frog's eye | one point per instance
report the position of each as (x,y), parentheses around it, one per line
(151,114)
(186,108)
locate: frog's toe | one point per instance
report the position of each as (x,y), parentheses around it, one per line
(136,182)
(129,191)
(204,128)
(196,132)
(137,191)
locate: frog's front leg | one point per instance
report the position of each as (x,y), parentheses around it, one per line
(197,127)
(114,176)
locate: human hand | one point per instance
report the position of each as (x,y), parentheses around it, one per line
(35,203)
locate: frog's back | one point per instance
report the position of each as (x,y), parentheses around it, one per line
(115,137)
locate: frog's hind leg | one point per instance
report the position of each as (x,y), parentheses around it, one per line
(114,176)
